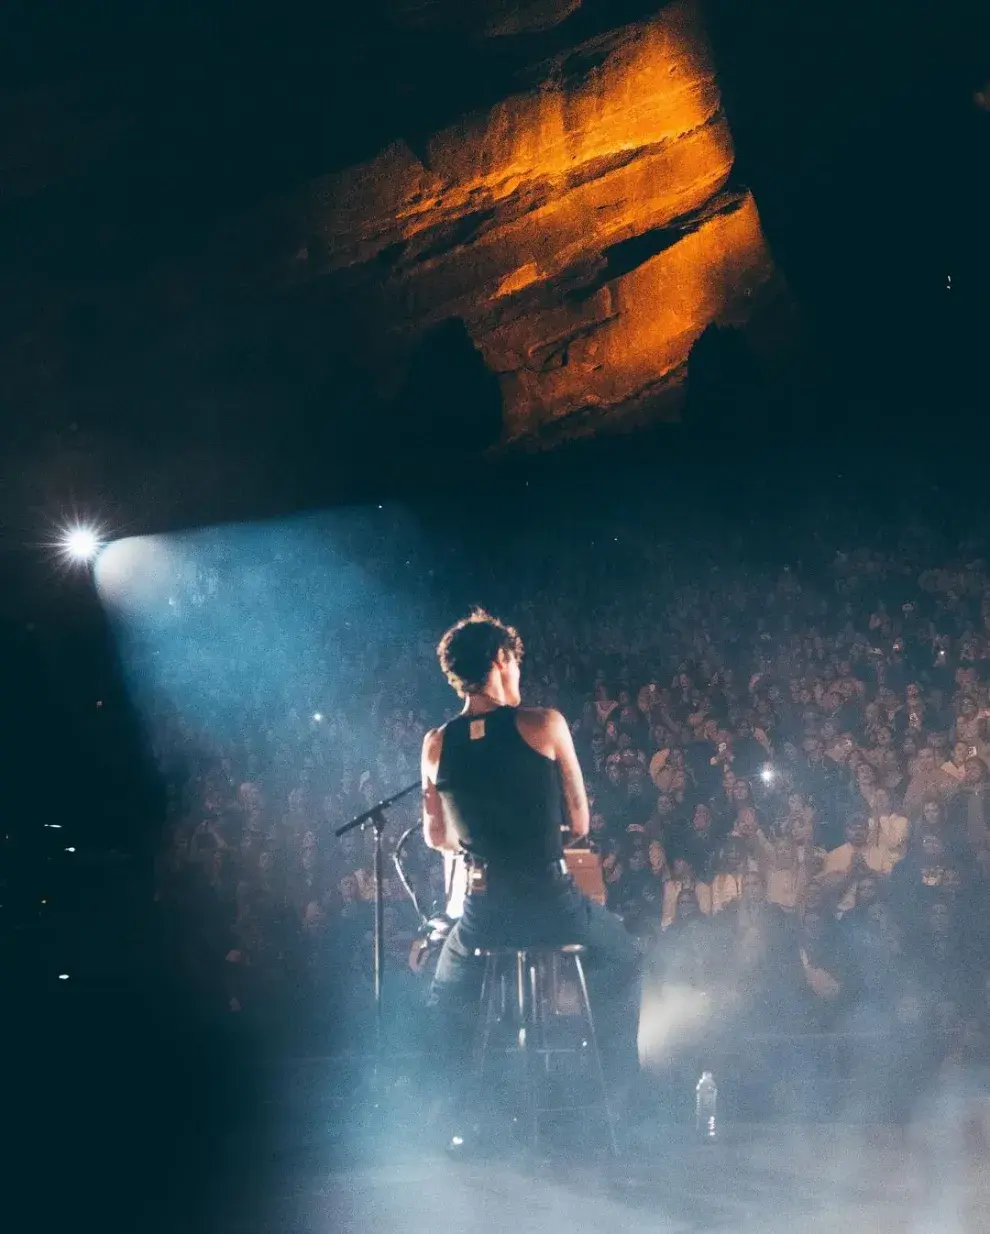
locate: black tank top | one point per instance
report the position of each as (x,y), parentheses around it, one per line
(502,797)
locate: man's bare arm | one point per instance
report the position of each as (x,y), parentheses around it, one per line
(434,824)
(571,777)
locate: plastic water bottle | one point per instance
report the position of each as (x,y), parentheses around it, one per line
(706,1100)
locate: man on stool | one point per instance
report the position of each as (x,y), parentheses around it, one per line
(498,782)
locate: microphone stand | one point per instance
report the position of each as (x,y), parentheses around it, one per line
(375,818)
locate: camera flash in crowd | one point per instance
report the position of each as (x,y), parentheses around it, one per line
(317,717)
(767,775)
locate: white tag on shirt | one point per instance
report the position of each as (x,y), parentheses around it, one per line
(476,730)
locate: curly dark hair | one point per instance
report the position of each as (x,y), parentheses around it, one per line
(470,647)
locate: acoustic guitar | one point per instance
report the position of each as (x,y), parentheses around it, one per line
(583,865)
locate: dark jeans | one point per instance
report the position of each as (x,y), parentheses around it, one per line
(548,913)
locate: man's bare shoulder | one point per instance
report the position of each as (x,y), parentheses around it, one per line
(432,743)
(539,715)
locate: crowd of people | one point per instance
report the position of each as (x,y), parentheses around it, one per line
(788,773)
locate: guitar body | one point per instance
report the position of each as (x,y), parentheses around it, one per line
(584,866)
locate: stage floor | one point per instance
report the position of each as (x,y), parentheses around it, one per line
(813,1179)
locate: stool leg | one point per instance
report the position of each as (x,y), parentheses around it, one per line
(537,998)
(536,1050)
(521,999)
(527,1037)
(596,1054)
(534,1001)
(489,992)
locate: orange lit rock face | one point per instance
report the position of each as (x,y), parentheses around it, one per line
(584,229)
(636,348)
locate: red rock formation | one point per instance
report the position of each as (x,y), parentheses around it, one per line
(183,270)
(584,228)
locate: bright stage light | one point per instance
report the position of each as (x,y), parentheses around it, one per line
(81,543)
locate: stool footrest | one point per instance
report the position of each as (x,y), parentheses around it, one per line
(537,1049)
